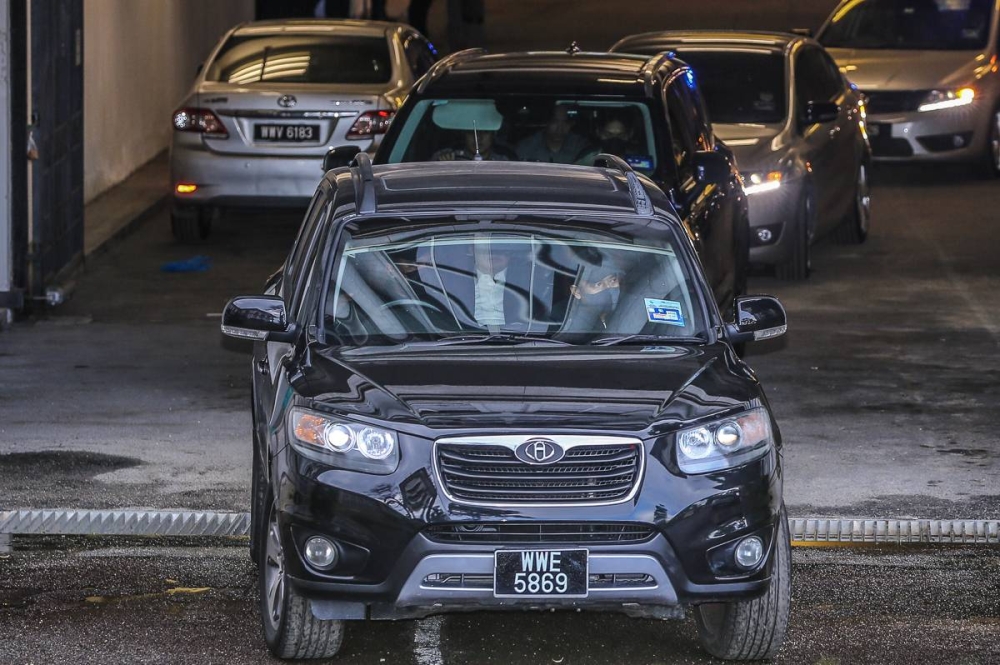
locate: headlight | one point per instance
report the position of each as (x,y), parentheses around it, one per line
(725,443)
(756,183)
(946,99)
(342,443)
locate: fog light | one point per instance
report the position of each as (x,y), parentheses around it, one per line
(764,235)
(958,140)
(749,552)
(320,552)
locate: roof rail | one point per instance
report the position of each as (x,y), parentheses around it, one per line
(652,66)
(444,64)
(640,199)
(364,186)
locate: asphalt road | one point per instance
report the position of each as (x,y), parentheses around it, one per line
(92,602)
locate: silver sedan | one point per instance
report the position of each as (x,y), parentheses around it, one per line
(269,102)
(796,127)
(929,70)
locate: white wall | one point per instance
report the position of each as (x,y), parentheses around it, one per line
(139,60)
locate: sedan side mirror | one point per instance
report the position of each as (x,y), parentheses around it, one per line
(339,156)
(711,166)
(819,112)
(757,318)
(258,318)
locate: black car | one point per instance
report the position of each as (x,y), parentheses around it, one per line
(797,128)
(484,385)
(566,107)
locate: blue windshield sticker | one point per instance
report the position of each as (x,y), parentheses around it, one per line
(664,311)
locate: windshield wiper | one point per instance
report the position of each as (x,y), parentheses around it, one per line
(645,339)
(496,338)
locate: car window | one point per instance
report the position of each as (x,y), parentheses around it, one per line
(740,85)
(304,246)
(526,128)
(683,138)
(520,277)
(816,78)
(418,54)
(925,25)
(305,58)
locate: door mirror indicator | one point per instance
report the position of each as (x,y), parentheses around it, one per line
(757,318)
(258,318)
(819,112)
(711,166)
(339,156)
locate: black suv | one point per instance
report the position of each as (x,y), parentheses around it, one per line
(566,107)
(483,385)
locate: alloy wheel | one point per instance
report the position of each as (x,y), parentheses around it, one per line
(274,574)
(864,200)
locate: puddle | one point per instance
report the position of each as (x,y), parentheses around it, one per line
(56,465)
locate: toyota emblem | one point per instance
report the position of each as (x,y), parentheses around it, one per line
(539,451)
(287,101)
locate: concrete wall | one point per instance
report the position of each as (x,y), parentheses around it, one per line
(139,59)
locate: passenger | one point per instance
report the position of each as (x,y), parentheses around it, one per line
(485,150)
(556,143)
(617,136)
(599,294)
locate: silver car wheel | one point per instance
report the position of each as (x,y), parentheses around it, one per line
(864,199)
(274,574)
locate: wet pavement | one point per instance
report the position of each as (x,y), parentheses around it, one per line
(89,601)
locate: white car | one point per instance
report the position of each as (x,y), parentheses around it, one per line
(929,71)
(270,101)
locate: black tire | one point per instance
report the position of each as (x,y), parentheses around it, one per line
(800,263)
(992,157)
(854,230)
(290,629)
(191,226)
(752,629)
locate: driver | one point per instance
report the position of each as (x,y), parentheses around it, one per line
(479,146)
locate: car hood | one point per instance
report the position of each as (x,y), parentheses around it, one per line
(907,70)
(619,388)
(756,147)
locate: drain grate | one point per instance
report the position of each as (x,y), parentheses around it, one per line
(124,523)
(211,523)
(899,532)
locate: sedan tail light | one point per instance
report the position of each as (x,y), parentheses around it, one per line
(202,121)
(369,124)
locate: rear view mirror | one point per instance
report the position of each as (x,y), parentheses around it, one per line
(339,156)
(757,318)
(711,166)
(819,112)
(258,318)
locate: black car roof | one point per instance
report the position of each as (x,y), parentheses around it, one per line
(414,187)
(653,42)
(554,72)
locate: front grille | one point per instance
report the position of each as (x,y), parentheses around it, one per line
(894,101)
(491,474)
(539,532)
(485,581)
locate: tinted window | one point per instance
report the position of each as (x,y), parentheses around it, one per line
(816,77)
(741,86)
(250,59)
(418,55)
(948,25)
(577,284)
(683,137)
(527,128)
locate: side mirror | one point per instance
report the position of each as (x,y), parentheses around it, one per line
(339,156)
(711,166)
(757,318)
(258,318)
(819,112)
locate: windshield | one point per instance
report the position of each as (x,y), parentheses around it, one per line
(740,86)
(924,25)
(460,282)
(245,60)
(527,128)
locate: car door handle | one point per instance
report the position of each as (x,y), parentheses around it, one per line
(263,367)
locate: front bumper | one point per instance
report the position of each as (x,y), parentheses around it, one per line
(956,134)
(396,566)
(777,212)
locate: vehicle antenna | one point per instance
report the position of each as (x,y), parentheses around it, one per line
(475,133)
